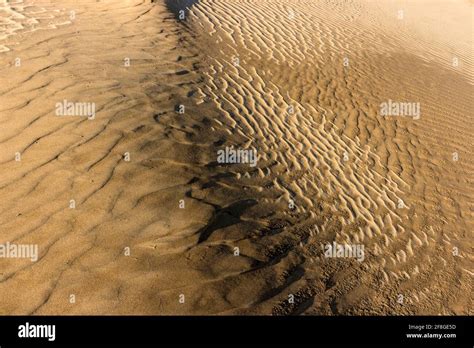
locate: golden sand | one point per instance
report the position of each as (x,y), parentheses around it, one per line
(134,213)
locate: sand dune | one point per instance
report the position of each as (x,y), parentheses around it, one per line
(133,213)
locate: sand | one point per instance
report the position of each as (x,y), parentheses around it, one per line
(132,211)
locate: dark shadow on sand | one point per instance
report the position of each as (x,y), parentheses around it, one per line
(225,217)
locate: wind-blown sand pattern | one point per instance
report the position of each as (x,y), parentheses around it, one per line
(17,16)
(158,226)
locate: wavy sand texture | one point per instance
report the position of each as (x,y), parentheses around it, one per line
(17,16)
(394,182)
(119,204)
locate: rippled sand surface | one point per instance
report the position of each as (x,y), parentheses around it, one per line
(18,16)
(159,226)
